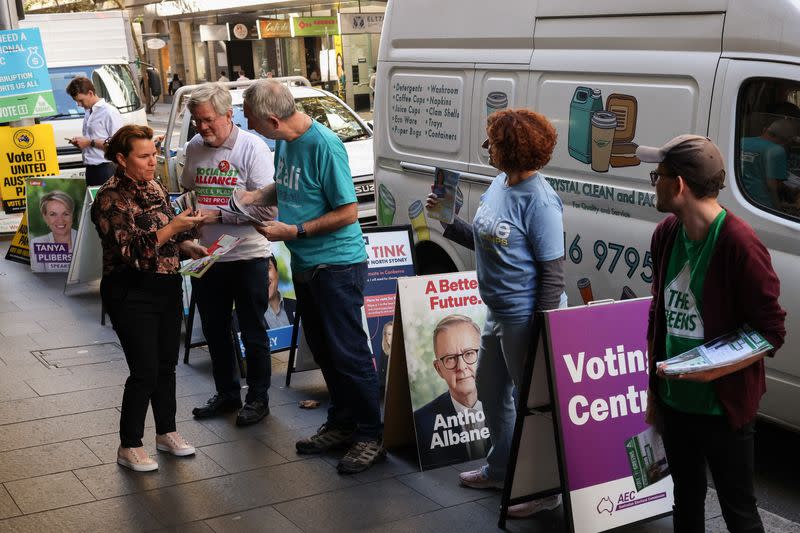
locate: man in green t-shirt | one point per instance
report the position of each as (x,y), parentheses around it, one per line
(318,215)
(711,275)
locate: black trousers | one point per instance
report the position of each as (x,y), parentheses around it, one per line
(146,312)
(692,441)
(246,284)
(98,174)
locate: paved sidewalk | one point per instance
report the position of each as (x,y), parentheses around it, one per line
(59,416)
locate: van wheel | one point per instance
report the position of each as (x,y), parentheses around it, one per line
(431,259)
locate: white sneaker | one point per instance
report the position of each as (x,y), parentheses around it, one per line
(524,510)
(174,444)
(136,459)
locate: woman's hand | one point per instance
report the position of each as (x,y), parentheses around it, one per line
(431,202)
(192,249)
(187,220)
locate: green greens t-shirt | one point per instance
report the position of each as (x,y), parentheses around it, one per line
(683,306)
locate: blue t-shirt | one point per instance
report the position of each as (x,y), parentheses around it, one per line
(762,160)
(312,177)
(514,228)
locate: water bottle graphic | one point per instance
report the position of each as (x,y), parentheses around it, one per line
(584,102)
(35,59)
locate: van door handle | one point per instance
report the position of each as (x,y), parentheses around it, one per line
(419,169)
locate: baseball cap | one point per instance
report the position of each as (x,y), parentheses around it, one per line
(694,157)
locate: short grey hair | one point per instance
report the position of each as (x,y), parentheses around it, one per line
(216,93)
(269,97)
(56,196)
(453,320)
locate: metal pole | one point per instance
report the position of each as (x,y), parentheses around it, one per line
(9,21)
(8,15)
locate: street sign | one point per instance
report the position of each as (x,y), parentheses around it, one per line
(25,89)
(28,151)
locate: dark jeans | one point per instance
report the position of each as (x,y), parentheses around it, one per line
(691,441)
(98,174)
(146,312)
(245,283)
(329,301)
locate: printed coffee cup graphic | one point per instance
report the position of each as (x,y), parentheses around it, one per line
(418,222)
(496,101)
(592,139)
(386,206)
(604,123)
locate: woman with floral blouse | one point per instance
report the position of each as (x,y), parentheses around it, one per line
(141,289)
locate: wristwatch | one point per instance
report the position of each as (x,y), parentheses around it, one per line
(301,231)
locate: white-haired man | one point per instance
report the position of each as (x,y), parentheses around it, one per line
(319,222)
(219,158)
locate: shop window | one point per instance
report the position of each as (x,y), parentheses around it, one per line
(768,137)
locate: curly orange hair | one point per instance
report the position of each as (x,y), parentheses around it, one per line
(520,139)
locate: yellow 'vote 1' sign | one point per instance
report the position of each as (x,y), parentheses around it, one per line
(29,151)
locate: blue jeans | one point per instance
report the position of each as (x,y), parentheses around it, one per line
(246,283)
(329,300)
(501,364)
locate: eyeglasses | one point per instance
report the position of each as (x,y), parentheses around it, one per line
(204,121)
(451,361)
(486,144)
(655,175)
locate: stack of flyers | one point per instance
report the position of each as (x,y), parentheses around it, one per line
(187,200)
(445,183)
(647,458)
(236,207)
(728,349)
(197,267)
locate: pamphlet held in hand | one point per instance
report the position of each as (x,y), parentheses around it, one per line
(239,209)
(197,267)
(187,200)
(445,183)
(726,350)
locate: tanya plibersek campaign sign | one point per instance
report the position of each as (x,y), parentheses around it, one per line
(442,317)
(616,469)
(54,207)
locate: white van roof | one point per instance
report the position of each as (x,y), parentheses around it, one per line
(76,39)
(473,32)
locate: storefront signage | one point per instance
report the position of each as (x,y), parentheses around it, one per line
(314,26)
(351,23)
(25,89)
(274,28)
(26,152)
(215,32)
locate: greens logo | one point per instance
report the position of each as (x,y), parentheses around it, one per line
(23,139)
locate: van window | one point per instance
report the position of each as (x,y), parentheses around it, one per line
(113,82)
(768,137)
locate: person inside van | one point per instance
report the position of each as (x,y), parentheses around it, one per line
(100,122)
(765,164)
(517,235)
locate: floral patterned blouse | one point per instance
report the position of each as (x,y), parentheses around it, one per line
(127,213)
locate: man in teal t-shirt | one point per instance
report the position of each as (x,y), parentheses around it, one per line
(765,166)
(318,214)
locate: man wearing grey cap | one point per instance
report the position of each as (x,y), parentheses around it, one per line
(711,275)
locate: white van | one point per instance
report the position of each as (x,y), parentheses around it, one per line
(728,69)
(99,46)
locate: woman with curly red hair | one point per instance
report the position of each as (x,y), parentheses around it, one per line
(517,235)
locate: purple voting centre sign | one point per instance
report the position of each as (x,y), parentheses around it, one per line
(614,465)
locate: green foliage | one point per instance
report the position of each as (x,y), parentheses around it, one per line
(73,187)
